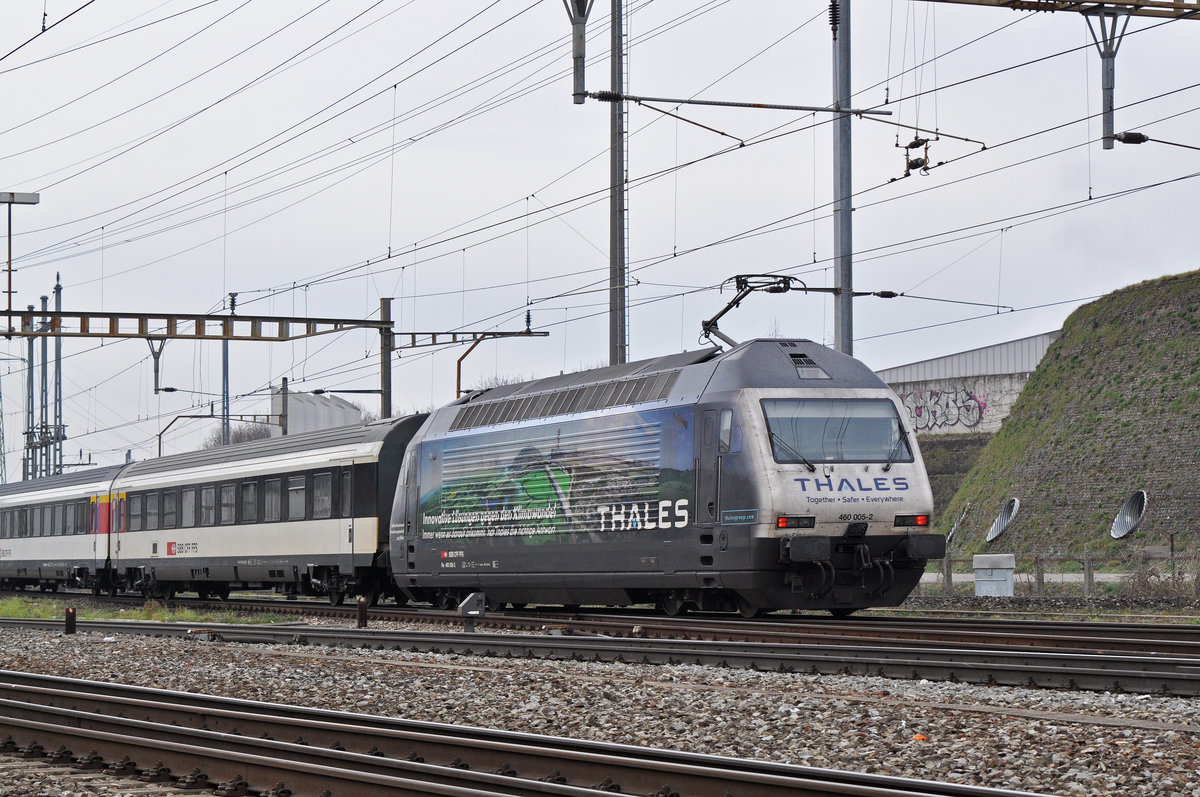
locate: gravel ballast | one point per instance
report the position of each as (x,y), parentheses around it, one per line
(1034,740)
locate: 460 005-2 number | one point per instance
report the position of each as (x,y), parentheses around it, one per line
(856,518)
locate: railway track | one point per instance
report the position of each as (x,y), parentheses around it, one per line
(1148,672)
(243,747)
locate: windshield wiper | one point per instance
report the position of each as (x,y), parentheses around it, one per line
(791,452)
(895,449)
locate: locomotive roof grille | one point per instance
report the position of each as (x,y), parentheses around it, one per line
(589,398)
(807,368)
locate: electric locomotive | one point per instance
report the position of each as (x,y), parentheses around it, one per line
(775,475)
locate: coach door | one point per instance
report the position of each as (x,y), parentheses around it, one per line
(97,523)
(346,542)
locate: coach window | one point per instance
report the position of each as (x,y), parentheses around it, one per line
(4,525)
(58,520)
(208,505)
(170,506)
(323,495)
(347,497)
(228,504)
(271,500)
(187,508)
(295,499)
(35,528)
(152,500)
(69,526)
(122,523)
(135,513)
(250,502)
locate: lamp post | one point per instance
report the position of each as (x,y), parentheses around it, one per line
(11,198)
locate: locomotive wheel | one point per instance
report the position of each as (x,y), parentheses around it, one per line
(672,605)
(336,597)
(840,613)
(747,609)
(202,594)
(222,592)
(371,595)
(518,606)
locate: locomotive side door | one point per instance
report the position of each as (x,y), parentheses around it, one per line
(708,471)
(400,531)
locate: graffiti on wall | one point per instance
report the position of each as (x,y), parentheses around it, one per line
(940,409)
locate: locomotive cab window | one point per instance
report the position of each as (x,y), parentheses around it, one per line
(835,430)
(725,432)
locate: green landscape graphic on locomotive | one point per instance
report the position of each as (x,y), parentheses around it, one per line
(545,483)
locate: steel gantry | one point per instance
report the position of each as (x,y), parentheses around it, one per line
(157,328)
(1110,19)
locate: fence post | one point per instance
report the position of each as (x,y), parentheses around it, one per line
(1039,575)
(1088,575)
(947,574)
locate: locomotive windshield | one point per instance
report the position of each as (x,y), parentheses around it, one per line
(835,430)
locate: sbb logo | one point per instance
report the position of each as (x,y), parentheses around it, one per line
(171,549)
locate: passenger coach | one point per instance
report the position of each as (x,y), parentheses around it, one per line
(304,514)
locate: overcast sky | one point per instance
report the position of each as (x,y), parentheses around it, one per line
(315,155)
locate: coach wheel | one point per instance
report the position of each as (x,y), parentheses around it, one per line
(840,613)
(748,609)
(112,589)
(222,592)
(494,605)
(518,606)
(336,597)
(203,594)
(371,595)
(672,605)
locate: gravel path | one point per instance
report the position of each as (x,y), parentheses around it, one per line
(1033,740)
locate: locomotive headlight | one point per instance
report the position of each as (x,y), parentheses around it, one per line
(796,522)
(904,521)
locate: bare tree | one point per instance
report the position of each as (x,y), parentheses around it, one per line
(240,433)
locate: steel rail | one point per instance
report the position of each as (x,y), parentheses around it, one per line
(1147,674)
(395,753)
